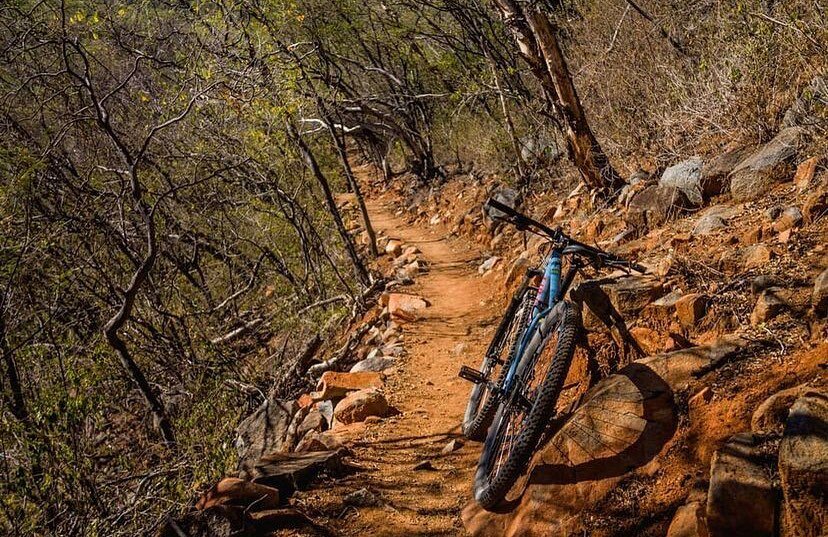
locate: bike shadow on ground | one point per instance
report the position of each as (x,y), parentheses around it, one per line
(624,422)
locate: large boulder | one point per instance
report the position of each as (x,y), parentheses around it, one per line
(803,467)
(507,196)
(610,300)
(656,204)
(289,472)
(359,405)
(405,307)
(334,385)
(715,171)
(264,431)
(770,416)
(771,164)
(768,305)
(740,497)
(686,176)
(624,421)
(374,363)
(238,492)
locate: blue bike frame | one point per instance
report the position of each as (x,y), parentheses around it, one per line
(544,303)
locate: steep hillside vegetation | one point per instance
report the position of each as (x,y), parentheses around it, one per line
(185,240)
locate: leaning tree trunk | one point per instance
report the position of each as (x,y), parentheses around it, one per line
(116,322)
(536,39)
(355,188)
(359,268)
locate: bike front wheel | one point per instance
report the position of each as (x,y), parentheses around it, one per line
(482,401)
(522,417)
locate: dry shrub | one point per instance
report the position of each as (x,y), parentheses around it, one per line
(744,63)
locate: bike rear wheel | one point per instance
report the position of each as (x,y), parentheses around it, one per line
(482,401)
(517,427)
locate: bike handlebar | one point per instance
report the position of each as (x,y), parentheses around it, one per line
(522,222)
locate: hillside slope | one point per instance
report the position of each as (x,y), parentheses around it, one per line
(680,384)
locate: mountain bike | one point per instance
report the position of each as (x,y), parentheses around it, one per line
(517,387)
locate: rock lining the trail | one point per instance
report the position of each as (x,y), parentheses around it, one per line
(623,422)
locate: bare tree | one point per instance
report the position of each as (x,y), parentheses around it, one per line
(539,45)
(310,161)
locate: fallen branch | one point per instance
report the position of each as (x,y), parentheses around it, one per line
(238,332)
(353,340)
(338,298)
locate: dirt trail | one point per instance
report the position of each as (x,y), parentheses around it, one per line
(454,330)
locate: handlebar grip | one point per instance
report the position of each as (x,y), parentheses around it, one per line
(494,204)
(520,220)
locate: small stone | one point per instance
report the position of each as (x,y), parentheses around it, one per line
(235,491)
(816,205)
(709,224)
(690,309)
(770,416)
(762,282)
(768,306)
(767,166)
(405,307)
(333,384)
(517,270)
(361,498)
(404,259)
(654,205)
(460,349)
(790,218)
(757,256)
(488,264)
(393,248)
(359,405)
(650,341)
(396,350)
(376,363)
(424,466)
(805,172)
(497,241)
(751,236)
(686,176)
(773,212)
(305,400)
(452,446)
(688,521)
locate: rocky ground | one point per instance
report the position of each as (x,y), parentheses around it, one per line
(700,387)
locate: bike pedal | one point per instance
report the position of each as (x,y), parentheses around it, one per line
(472,375)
